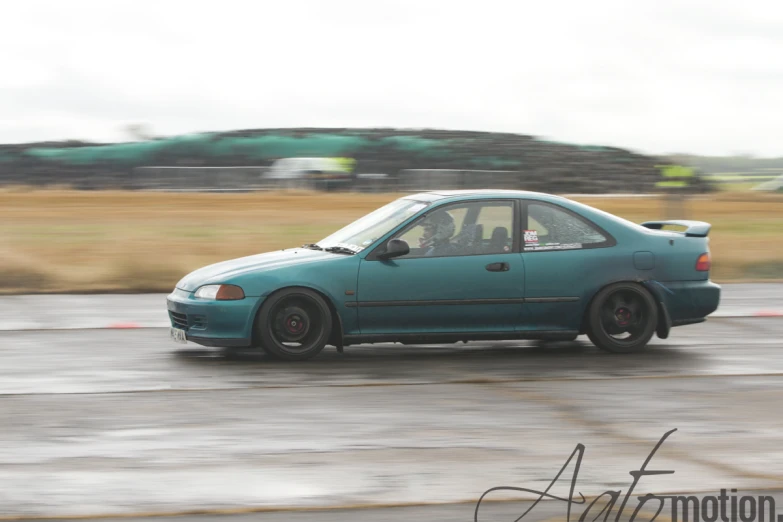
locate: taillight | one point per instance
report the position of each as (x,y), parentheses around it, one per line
(704,262)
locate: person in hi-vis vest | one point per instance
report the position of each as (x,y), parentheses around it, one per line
(675,181)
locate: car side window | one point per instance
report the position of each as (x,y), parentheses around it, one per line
(552,228)
(474,228)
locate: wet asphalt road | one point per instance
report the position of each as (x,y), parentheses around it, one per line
(125,421)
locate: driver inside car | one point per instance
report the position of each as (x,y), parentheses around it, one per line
(438,230)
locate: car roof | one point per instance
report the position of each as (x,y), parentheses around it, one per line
(439,194)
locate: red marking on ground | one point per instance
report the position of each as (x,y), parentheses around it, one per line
(125,325)
(769,313)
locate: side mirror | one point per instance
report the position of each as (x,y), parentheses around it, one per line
(395,248)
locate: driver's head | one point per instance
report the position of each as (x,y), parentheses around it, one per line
(438,227)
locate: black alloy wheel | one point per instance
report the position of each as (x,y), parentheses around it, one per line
(293,324)
(622,318)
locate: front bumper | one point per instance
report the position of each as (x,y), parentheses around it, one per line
(213,323)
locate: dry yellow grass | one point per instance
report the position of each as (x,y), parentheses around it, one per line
(62,240)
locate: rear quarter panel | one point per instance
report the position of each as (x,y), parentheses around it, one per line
(676,256)
(672,277)
(687,293)
(663,257)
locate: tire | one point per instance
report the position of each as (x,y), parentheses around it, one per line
(622,309)
(293,324)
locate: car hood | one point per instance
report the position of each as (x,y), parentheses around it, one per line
(225,270)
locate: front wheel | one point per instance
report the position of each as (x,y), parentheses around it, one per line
(293,324)
(622,318)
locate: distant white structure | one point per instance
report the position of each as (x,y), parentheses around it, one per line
(309,168)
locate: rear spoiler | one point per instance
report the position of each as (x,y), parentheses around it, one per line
(692,228)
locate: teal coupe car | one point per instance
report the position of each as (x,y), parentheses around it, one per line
(450,266)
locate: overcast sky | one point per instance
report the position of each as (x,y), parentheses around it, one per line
(659,76)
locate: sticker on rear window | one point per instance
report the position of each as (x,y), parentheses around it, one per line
(554,246)
(531,237)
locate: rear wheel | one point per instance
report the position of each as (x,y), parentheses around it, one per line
(622,318)
(293,324)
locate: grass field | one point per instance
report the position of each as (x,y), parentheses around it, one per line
(64,241)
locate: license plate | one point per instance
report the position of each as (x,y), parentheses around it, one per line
(178,335)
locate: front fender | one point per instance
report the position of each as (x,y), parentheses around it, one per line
(337,283)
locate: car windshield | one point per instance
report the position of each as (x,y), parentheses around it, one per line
(366,230)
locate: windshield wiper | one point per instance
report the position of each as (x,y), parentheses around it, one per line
(312,246)
(339,250)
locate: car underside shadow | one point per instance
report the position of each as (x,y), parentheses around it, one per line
(503,360)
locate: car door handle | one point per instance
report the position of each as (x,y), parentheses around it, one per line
(497,267)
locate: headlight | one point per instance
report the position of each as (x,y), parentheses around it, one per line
(220,292)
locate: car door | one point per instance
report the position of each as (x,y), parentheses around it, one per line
(474,282)
(564,253)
